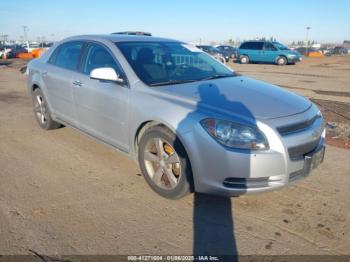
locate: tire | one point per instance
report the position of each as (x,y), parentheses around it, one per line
(244,59)
(171,180)
(281,60)
(42,112)
(220,59)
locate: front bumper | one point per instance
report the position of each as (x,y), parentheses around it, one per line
(231,172)
(294,59)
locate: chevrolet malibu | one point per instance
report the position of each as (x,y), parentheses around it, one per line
(190,122)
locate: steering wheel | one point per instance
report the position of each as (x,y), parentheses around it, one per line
(180,68)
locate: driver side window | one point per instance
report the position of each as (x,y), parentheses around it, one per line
(269,47)
(98,56)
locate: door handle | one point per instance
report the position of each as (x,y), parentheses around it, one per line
(77,83)
(44,73)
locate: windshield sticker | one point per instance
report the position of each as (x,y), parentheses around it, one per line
(192,48)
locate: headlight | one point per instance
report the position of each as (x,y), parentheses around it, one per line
(291,56)
(235,135)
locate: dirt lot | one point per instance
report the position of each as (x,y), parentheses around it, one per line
(62,193)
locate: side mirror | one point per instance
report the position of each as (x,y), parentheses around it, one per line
(107,74)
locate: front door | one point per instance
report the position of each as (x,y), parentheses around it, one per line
(102,106)
(270,53)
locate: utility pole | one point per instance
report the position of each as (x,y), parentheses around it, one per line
(4,56)
(25,30)
(4,38)
(307,39)
(25,36)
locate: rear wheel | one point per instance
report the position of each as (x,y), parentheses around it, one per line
(281,60)
(244,59)
(164,163)
(42,111)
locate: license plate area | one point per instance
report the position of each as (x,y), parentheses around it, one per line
(311,161)
(314,159)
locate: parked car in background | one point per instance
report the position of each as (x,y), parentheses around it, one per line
(327,51)
(190,122)
(46,44)
(214,52)
(17,49)
(133,33)
(267,52)
(312,52)
(5,51)
(303,50)
(340,50)
(316,53)
(31,46)
(11,51)
(228,51)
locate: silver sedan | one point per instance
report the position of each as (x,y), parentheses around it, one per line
(190,122)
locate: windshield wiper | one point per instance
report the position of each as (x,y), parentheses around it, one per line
(216,77)
(173,82)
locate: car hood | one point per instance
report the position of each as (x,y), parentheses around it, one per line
(240,96)
(292,52)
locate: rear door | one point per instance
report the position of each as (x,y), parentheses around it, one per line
(102,106)
(253,50)
(62,68)
(258,51)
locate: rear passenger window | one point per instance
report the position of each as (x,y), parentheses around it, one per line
(244,46)
(67,55)
(258,45)
(252,45)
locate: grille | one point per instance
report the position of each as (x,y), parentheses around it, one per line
(288,129)
(298,152)
(241,183)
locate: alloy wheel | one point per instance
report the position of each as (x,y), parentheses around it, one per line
(162,163)
(40,109)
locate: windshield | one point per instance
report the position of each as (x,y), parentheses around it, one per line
(280,46)
(214,49)
(162,63)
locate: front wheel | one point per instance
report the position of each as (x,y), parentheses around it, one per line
(244,59)
(281,60)
(164,163)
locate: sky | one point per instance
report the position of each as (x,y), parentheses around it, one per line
(186,20)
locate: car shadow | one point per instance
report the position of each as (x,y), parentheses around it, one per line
(263,63)
(213,228)
(213,225)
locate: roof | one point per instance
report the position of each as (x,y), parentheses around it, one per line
(133,33)
(122,38)
(259,41)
